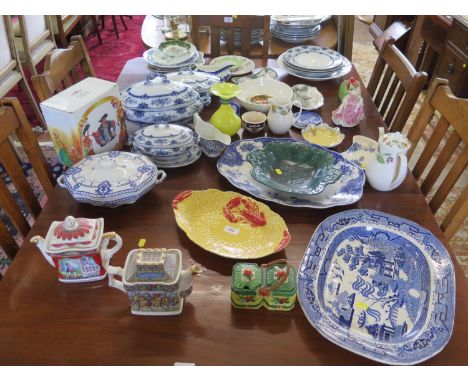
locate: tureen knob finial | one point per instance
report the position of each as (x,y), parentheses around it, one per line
(70,223)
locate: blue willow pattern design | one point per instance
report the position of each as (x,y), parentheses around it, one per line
(378,285)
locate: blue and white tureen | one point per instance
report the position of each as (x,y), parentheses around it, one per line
(158,99)
(111,179)
(199,81)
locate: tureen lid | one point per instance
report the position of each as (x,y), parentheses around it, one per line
(158,93)
(163,136)
(199,81)
(74,234)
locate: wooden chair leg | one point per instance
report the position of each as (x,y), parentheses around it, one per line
(32,101)
(102,21)
(123,22)
(115,26)
(96,28)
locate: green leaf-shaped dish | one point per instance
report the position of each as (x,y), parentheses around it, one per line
(295,168)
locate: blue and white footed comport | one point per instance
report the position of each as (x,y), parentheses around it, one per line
(378,285)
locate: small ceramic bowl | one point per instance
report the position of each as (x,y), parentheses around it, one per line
(323,135)
(253,121)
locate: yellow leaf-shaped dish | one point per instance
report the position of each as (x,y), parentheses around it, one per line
(230,224)
(323,135)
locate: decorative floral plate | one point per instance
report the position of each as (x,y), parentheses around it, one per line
(230,224)
(111,179)
(174,52)
(261,73)
(378,285)
(309,97)
(234,167)
(294,167)
(242,65)
(306,118)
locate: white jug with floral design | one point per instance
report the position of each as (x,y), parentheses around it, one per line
(387,168)
(280,117)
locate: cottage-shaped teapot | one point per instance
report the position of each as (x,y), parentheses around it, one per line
(154,281)
(77,248)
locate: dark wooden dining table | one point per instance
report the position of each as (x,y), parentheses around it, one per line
(44,321)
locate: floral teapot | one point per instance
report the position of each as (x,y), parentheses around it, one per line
(388,166)
(154,281)
(77,249)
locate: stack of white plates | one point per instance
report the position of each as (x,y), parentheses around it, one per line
(171,56)
(314,63)
(256,36)
(296,29)
(167,145)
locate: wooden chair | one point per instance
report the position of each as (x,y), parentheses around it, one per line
(453,112)
(14,121)
(62,68)
(62,26)
(395,86)
(35,40)
(246,25)
(11,72)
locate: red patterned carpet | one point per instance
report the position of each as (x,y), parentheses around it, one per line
(108,58)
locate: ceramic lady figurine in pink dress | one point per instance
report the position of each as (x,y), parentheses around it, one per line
(351,110)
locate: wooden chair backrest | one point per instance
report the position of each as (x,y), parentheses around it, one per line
(62,33)
(8,56)
(14,121)
(395,86)
(451,134)
(35,29)
(246,25)
(62,69)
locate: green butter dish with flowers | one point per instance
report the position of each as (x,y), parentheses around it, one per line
(272,286)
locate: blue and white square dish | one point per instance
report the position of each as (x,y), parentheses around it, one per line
(378,285)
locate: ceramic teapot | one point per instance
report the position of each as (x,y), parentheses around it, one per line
(78,249)
(280,117)
(154,281)
(388,166)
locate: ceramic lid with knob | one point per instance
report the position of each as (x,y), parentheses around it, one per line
(74,235)
(163,136)
(199,81)
(158,93)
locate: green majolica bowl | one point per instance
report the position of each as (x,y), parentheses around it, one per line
(295,168)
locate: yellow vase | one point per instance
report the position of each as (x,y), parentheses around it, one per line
(225,118)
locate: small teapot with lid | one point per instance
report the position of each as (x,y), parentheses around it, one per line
(78,249)
(154,281)
(388,166)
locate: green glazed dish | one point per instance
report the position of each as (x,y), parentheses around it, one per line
(294,168)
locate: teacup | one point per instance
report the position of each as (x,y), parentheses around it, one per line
(253,121)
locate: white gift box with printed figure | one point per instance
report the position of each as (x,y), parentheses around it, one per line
(85,119)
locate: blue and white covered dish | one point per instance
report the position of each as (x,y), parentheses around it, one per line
(158,99)
(378,285)
(162,136)
(111,179)
(199,81)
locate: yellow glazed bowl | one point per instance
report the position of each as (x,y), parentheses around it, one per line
(230,224)
(323,135)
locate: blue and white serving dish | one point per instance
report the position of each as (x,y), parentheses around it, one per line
(199,81)
(219,70)
(378,285)
(158,99)
(233,165)
(111,179)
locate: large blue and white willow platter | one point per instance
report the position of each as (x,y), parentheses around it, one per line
(111,179)
(378,285)
(233,165)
